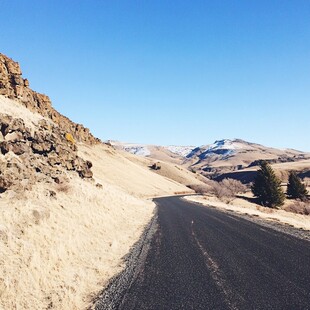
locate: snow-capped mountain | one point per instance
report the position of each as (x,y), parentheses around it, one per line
(225,154)
(223,147)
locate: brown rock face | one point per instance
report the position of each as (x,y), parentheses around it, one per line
(13,86)
(44,155)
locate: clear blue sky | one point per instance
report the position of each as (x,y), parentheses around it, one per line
(169,72)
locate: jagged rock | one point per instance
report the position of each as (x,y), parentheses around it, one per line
(13,86)
(15,176)
(4,147)
(53,159)
(14,136)
(43,155)
(86,173)
(45,125)
(18,148)
(5,183)
(17,124)
(34,157)
(89,164)
(5,123)
(41,147)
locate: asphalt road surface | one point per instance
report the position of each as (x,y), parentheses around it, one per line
(201,258)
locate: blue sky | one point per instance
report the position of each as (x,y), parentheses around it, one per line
(169,72)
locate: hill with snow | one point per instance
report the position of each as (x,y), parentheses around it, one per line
(218,157)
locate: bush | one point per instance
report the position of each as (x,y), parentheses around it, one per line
(234,186)
(227,189)
(298,207)
(199,189)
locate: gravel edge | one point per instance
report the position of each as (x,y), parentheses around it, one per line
(113,294)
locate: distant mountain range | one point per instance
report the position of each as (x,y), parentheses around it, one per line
(219,157)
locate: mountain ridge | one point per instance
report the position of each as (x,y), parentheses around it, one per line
(220,156)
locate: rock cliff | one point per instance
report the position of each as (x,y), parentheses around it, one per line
(14,86)
(43,155)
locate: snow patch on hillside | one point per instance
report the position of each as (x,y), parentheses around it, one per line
(223,147)
(133,148)
(138,150)
(180,150)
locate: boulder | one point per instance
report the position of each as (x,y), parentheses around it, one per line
(18,148)
(14,136)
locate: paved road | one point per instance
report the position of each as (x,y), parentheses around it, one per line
(201,258)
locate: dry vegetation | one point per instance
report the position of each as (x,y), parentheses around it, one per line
(245,204)
(298,207)
(61,243)
(125,171)
(57,250)
(226,190)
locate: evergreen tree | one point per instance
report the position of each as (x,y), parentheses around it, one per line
(267,187)
(295,188)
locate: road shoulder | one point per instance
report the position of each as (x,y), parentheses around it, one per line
(293,224)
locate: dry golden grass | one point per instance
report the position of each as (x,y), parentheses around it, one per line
(58,251)
(128,172)
(169,170)
(243,206)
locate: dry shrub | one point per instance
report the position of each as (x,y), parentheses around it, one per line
(181,193)
(264,209)
(235,186)
(227,189)
(69,138)
(268,210)
(220,191)
(199,189)
(299,207)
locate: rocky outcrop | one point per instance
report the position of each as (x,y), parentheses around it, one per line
(43,155)
(14,86)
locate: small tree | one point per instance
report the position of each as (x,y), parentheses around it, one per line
(295,188)
(267,187)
